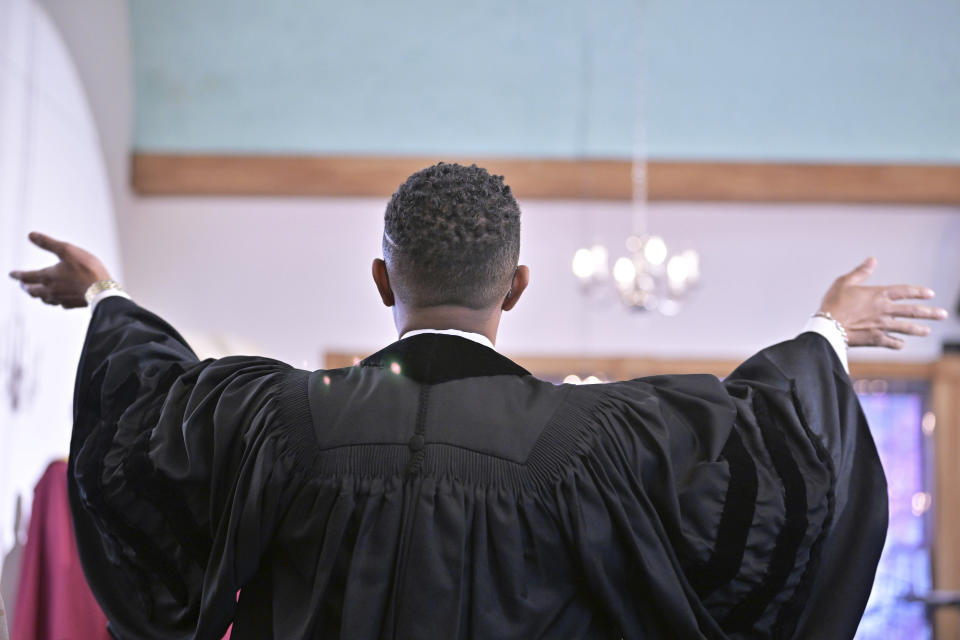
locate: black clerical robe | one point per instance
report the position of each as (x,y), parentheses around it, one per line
(438,490)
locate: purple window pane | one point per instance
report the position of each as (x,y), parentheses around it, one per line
(905,564)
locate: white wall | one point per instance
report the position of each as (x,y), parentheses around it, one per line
(292,275)
(97,37)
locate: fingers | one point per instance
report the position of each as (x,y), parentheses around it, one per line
(49,296)
(45,242)
(48,244)
(919,311)
(890,342)
(874,338)
(40,276)
(907,328)
(904,291)
(37,291)
(861,272)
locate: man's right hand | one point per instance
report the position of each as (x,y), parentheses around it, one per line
(870,314)
(65,282)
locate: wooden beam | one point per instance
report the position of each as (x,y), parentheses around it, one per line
(892,369)
(625,368)
(899,184)
(379,176)
(159,174)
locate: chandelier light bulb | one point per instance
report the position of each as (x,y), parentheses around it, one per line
(583,266)
(678,270)
(599,254)
(624,271)
(655,250)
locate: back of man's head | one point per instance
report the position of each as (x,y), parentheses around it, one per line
(451,236)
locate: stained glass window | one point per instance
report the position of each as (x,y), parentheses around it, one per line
(895,411)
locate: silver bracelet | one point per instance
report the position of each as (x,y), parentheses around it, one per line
(99,287)
(836,323)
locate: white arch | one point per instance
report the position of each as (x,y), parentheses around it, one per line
(52,178)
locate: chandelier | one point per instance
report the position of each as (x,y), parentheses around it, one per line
(650,277)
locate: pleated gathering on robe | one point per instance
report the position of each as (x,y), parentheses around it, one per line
(438,490)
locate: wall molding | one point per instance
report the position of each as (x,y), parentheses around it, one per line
(159,174)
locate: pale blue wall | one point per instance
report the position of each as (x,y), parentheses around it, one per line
(857,80)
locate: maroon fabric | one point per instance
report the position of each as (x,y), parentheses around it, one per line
(54,601)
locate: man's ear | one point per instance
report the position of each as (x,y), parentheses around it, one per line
(521,278)
(382,281)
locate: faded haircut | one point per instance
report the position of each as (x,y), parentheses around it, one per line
(451,236)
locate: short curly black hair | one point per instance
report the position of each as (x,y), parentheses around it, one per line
(451,236)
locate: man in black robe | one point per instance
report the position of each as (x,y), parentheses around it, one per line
(438,490)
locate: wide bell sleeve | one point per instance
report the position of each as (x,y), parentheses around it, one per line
(177,474)
(753,507)
(836,488)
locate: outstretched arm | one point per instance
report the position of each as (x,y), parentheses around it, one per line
(179,468)
(767,486)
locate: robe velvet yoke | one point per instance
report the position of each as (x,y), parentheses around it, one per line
(438,490)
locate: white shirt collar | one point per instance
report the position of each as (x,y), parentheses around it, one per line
(476,337)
